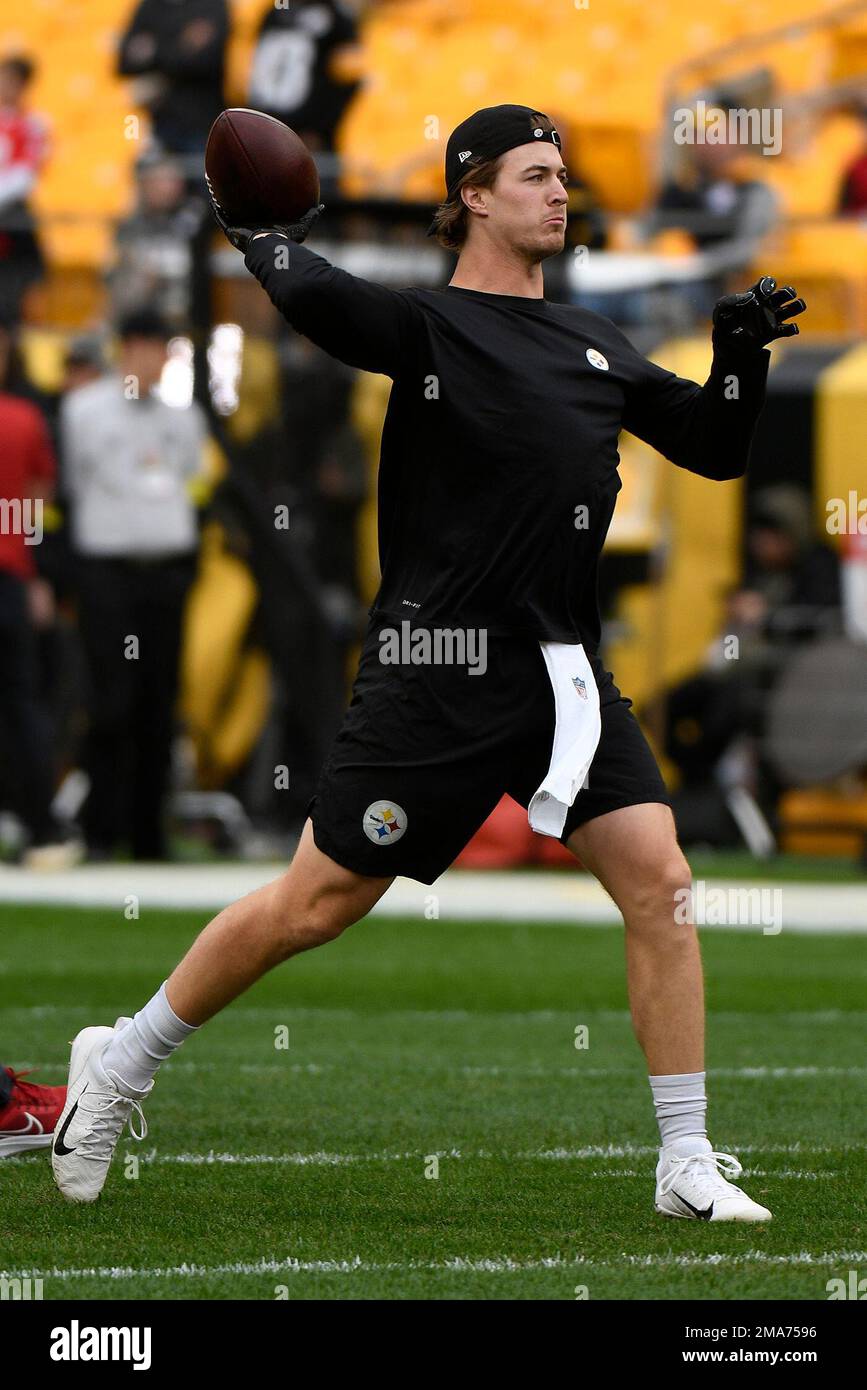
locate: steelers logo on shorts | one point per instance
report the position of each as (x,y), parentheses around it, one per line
(384,822)
(596,359)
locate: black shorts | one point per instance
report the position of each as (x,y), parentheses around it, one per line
(425,753)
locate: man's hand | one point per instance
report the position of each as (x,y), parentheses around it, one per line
(41,606)
(754,319)
(297,231)
(240,237)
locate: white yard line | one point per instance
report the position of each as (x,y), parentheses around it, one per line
(564,898)
(520,1072)
(798,1174)
(578,1072)
(458,1264)
(325,1158)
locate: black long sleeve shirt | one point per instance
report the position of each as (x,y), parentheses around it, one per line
(501,429)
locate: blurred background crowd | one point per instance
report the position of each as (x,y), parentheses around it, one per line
(187,515)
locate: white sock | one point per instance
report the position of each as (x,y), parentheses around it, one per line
(681,1110)
(152,1035)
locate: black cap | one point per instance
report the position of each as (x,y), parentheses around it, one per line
(85,350)
(144,323)
(489,133)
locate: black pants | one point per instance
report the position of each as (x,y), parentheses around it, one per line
(25,732)
(131,615)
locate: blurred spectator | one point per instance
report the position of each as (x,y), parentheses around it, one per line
(853,190)
(22,154)
(722,211)
(325,462)
(83,361)
(293,443)
(176,50)
(790,594)
(160,257)
(128,461)
(795,579)
(27,473)
(712,203)
(303,50)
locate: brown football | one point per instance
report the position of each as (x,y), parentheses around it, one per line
(260,172)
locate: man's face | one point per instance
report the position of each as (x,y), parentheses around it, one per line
(771,549)
(80,374)
(162,188)
(143,359)
(715,160)
(11,87)
(527,205)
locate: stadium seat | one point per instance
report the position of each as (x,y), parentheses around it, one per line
(821,821)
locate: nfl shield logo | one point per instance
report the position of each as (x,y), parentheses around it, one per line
(580,686)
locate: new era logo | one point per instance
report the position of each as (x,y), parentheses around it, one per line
(464,154)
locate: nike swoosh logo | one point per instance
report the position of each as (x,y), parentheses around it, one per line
(702,1215)
(59,1146)
(32,1127)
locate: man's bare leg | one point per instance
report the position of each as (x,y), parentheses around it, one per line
(313,902)
(112,1069)
(634,854)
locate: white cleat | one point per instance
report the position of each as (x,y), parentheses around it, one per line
(694,1187)
(98,1106)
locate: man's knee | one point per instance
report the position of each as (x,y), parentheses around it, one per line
(317,899)
(660,894)
(328,914)
(311,917)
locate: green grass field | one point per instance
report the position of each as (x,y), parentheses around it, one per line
(304,1168)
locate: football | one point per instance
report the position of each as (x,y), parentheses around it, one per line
(259,171)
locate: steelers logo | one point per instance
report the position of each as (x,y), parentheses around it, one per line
(384,822)
(597,360)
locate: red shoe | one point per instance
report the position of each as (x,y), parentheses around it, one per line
(27,1121)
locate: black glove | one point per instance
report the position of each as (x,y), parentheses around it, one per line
(758,317)
(240,236)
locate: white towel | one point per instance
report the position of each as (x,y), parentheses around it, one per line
(577,727)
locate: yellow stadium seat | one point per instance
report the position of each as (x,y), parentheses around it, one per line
(600,69)
(828,263)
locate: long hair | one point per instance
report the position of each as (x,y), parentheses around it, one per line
(452,218)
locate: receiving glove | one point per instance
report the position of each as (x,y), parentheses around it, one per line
(240,237)
(758,317)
